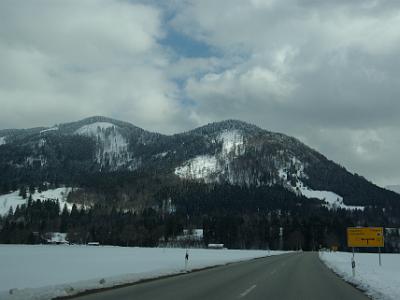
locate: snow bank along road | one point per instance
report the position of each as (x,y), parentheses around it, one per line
(290,276)
(380,282)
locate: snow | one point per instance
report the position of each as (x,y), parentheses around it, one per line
(49,129)
(2,140)
(113,150)
(208,167)
(94,128)
(161,155)
(30,160)
(298,167)
(60,194)
(199,167)
(331,199)
(42,142)
(66,270)
(232,142)
(378,282)
(282,174)
(10,200)
(13,199)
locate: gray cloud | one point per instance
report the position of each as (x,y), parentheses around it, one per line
(324,71)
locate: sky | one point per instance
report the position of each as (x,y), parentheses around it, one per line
(326,72)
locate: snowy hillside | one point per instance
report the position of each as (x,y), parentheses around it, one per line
(203,167)
(291,171)
(13,199)
(232,143)
(215,168)
(379,282)
(94,128)
(83,267)
(55,128)
(10,200)
(228,152)
(112,147)
(293,181)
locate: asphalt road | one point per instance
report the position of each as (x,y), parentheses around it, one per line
(291,276)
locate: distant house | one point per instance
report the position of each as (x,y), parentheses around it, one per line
(56,238)
(215,246)
(191,235)
(93,244)
(193,238)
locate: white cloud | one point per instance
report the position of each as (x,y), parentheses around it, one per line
(235,85)
(64,60)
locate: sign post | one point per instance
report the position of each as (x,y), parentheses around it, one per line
(380,261)
(353,265)
(365,237)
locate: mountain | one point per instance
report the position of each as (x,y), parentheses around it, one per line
(122,185)
(230,152)
(394,188)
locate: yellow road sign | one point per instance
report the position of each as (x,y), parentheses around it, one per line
(365,237)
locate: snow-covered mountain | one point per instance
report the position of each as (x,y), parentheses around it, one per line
(229,152)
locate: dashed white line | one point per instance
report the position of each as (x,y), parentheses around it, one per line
(246,292)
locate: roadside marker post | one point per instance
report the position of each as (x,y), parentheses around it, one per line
(380,260)
(353,265)
(186,259)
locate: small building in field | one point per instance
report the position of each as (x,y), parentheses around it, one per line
(192,238)
(56,238)
(93,244)
(215,246)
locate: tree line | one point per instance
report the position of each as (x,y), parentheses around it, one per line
(239,217)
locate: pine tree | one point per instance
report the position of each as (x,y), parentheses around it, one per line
(10,212)
(31,189)
(22,192)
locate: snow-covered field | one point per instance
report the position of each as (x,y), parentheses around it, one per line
(378,282)
(45,271)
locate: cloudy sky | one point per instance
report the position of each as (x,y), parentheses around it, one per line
(326,72)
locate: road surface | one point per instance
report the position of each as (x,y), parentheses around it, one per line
(300,276)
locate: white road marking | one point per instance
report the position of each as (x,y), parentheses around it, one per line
(246,292)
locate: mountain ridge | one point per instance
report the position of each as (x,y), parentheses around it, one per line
(226,152)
